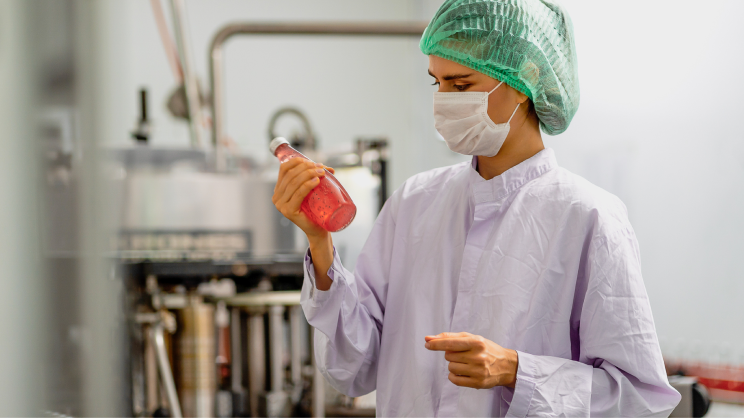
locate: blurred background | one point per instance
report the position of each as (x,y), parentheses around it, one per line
(146,272)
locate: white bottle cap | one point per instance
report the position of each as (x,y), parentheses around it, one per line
(276,142)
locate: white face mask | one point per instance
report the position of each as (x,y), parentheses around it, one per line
(462,120)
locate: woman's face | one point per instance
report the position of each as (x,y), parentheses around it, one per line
(453,77)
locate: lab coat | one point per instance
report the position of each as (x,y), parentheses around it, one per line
(537,259)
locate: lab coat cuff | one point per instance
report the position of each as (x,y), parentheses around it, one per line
(525,386)
(317,296)
(322,307)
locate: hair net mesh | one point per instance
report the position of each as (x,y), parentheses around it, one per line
(527,44)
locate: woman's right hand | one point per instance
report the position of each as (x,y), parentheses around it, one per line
(297,177)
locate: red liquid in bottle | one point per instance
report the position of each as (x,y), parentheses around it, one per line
(327,205)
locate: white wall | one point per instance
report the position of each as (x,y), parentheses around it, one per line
(661,93)
(661,90)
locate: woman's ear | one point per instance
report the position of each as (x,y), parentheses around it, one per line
(521,97)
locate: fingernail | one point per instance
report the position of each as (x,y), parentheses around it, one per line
(427,345)
(320,171)
(318,165)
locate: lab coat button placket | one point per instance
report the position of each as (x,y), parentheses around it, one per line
(471,255)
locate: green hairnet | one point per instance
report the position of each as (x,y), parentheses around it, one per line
(527,44)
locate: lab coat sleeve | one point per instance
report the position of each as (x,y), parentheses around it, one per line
(620,371)
(348,316)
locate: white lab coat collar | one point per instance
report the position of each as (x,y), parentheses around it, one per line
(512,179)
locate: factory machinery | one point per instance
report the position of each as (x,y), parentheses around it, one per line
(212,271)
(213,275)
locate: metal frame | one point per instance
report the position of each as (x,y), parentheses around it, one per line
(216,55)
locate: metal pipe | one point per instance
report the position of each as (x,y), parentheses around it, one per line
(296,350)
(318,381)
(386,29)
(151,372)
(189,77)
(310,143)
(256,360)
(276,340)
(166,373)
(263,299)
(171,51)
(236,352)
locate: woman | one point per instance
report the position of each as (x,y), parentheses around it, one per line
(505,286)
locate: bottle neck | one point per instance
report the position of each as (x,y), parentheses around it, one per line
(285,153)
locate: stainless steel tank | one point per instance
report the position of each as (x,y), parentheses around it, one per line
(172,207)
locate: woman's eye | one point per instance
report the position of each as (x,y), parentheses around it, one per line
(462,87)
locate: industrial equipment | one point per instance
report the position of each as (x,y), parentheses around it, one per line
(184,229)
(212,270)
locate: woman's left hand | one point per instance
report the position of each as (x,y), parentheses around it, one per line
(474,361)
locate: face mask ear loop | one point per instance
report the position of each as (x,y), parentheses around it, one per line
(494,89)
(515,112)
(484,110)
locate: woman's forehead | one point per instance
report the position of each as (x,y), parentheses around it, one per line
(439,64)
(445,69)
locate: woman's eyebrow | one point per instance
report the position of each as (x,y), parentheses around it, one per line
(452,76)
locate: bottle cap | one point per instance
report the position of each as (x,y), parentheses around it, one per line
(276,142)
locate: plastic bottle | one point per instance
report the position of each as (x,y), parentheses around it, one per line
(327,205)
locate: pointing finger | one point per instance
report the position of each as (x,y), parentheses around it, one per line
(449,344)
(446,335)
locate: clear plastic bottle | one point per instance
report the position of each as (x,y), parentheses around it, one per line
(327,205)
